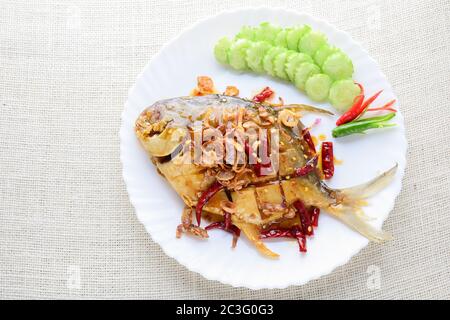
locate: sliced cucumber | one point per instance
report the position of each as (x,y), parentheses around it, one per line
(221,50)
(267,32)
(237,55)
(311,42)
(255,55)
(279,64)
(246,32)
(318,86)
(303,72)
(294,61)
(338,66)
(342,93)
(269,58)
(294,35)
(280,40)
(323,53)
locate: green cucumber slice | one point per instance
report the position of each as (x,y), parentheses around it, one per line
(280,39)
(342,93)
(280,64)
(293,62)
(255,55)
(267,32)
(221,50)
(323,53)
(303,72)
(294,35)
(237,55)
(311,42)
(338,66)
(318,86)
(246,32)
(269,58)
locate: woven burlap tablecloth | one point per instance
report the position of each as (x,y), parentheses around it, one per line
(67,229)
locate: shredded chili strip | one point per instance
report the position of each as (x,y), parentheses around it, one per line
(293,233)
(355,110)
(223,226)
(315,212)
(308,139)
(386,107)
(305,218)
(204,198)
(258,167)
(307,168)
(265,94)
(327,159)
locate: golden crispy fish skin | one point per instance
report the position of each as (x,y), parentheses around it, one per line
(168,125)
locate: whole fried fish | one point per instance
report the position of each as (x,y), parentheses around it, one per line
(258,193)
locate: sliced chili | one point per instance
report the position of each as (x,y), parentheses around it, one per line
(258,167)
(308,139)
(265,94)
(223,226)
(301,238)
(204,198)
(327,159)
(315,212)
(355,110)
(305,218)
(386,107)
(293,233)
(307,168)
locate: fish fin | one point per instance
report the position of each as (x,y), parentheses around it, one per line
(368,189)
(305,108)
(252,233)
(359,225)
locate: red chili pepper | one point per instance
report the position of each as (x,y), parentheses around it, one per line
(223,226)
(307,168)
(301,239)
(204,198)
(308,139)
(258,167)
(353,112)
(265,94)
(305,218)
(293,233)
(315,212)
(386,107)
(327,159)
(276,233)
(360,87)
(227,220)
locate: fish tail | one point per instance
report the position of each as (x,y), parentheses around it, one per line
(349,202)
(360,225)
(365,190)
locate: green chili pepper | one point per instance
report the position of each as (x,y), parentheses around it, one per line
(360,126)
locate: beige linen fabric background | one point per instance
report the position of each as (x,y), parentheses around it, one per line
(67,229)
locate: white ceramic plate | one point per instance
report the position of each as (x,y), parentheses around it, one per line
(173,73)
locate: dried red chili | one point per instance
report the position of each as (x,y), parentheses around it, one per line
(314,213)
(308,139)
(204,198)
(293,233)
(276,233)
(301,238)
(307,168)
(327,159)
(305,218)
(265,94)
(231,228)
(258,167)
